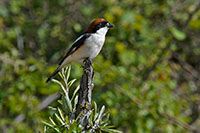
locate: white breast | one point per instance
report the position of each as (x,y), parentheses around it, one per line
(95,42)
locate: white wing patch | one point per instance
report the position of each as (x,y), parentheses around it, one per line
(78,38)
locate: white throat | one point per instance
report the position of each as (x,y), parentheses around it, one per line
(102,31)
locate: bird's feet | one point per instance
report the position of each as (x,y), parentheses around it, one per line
(87,61)
(87,69)
(87,64)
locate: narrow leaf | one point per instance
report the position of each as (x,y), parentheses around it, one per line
(48,124)
(51,126)
(52,121)
(69,104)
(59,119)
(108,127)
(75,102)
(78,116)
(61,114)
(52,108)
(75,91)
(45,129)
(60,75)
(111,131)
(59,101)
(63,88)
(95,111)
(65,109)
(101,112)
(71,83)
(68,72)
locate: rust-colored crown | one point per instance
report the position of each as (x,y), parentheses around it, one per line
(94,23)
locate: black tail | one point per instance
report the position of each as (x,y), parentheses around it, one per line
(52,75)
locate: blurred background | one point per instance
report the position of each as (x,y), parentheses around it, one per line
(147,74)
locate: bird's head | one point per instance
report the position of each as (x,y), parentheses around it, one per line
(100,26)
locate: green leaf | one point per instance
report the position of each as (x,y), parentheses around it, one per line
(95,111)
(78,116)
(52,121)
(69,104)
(65,109)
(71,83)
(63,88)
(67,120)
(51,126)
(73,126)
(59,119)
(75,102)
(111,131)
(48,124)
(178,34)
(66,96)
(52,108)
(68,72)
(108,127)
(75,91)
(101,113)
(91,119)
(59,101)
(61,114)
(45,129)
(60,74)
(107,117)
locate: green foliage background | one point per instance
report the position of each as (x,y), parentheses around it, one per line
(147,74)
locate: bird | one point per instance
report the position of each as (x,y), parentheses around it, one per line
(88,45)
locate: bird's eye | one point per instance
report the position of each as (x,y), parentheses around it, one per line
(107,24)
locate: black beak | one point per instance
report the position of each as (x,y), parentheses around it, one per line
(110,25)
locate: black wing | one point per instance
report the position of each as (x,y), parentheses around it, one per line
(78,43)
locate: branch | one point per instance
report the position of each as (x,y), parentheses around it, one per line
(173,119)
(179,123)
(85,94)
(43,104)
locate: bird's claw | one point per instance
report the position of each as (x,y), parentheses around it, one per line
(85,69)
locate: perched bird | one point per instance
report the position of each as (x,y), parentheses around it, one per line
(88,45)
